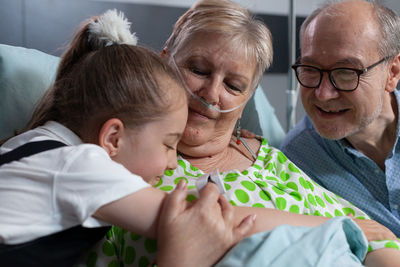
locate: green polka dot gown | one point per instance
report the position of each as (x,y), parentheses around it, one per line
(272,182)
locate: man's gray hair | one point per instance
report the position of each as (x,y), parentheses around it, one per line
(388,21)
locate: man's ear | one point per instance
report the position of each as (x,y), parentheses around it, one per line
(110,136)
(394,74)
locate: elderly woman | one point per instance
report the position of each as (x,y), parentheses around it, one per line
(221,52)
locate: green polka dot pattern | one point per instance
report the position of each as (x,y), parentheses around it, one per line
(120,248)
(272,182)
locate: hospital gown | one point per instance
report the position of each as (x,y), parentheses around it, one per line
(273,181)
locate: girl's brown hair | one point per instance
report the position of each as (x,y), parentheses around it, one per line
(93,85)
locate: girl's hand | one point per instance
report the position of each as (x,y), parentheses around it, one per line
(197,234)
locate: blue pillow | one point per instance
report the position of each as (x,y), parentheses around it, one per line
(25,74)
(259,117)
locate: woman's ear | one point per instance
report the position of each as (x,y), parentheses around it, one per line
(110,136)
(164,52)
(393,74)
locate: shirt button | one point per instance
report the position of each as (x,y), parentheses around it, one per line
(395,206)
(376,171)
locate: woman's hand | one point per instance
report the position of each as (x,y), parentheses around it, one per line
(374,230)
(197,234)
(384,257)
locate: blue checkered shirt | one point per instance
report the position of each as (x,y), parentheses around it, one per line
(349,173)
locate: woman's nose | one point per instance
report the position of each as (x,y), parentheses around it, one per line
(211,90)
(326,90)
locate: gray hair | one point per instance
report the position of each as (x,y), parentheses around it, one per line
(387,19)
(231,20)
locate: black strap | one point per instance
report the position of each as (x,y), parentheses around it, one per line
(61,249)
(58,249)
(29,149)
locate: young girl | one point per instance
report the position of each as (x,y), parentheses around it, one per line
(115,109)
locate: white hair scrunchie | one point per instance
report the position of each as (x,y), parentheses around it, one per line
(111,28)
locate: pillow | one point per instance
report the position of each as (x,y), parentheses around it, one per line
(25,74)
(259,117)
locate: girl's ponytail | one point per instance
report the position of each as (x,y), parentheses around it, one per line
(96,33)
(103,75)
(93,34)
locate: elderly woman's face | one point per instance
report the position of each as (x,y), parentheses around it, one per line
(220,75)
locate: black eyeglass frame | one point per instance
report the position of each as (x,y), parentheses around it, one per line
(321,71)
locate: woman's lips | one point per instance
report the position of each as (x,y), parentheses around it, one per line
(196,114)
(204,115)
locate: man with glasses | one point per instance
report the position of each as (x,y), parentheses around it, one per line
(348,73)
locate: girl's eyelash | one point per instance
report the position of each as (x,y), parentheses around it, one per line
(170,147)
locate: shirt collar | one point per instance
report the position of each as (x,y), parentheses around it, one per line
(397,95)
(62,133)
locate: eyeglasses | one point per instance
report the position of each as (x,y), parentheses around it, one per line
(343,79)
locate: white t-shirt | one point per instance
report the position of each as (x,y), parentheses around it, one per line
(59,188)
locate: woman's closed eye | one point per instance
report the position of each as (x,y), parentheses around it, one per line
(234,87)
(199,72)
(232,84)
